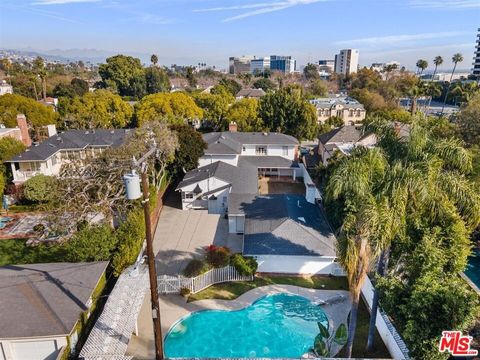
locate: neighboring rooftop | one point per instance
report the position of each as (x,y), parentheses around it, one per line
(330,101)
(344,134)
(251,93)
(72,140)
(230,143)
(45,299)
(285,225)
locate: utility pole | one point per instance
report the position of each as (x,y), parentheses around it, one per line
(157,326)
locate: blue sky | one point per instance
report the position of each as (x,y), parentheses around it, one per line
(191,31)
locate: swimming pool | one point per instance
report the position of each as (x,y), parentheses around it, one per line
(4,220)
(473,267)
(280,325)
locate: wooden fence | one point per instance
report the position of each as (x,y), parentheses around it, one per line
(173,284)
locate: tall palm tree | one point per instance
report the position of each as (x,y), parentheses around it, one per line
(437,61)
(465,91)
(154,59)
(456,58)
(421,66)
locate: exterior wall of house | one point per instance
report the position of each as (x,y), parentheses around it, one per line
(193,201)
(348,115)
(287,152)
(236,224)
(210,159)
(12,132)
(42,348)
(286,264)
(219,205)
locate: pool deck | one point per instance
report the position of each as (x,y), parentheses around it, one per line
(174,307)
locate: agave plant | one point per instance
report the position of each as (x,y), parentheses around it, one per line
(322,345)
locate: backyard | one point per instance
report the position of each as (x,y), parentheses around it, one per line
(15,251)
(229,291)
(268,185)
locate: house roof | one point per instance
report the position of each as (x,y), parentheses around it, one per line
(45,299)
(226,142)
(329,102)
(344,134)
(285,225)
(72,140)
(253,93)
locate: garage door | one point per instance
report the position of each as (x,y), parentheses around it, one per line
(35,350)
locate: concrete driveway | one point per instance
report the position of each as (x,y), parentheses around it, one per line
(182,235)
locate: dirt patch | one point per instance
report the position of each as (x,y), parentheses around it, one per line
(269,186)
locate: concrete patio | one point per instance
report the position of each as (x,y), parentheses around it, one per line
(174,307)
(181,235)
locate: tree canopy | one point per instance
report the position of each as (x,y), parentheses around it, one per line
(37,114)
(39,189)
(264,84)
(98,109)
(10,147)
(123,74)
(215,107)
(76,87)
(310,71)
(156,80)
(190,148)
(469,120)
(287,111)
(244,113)
(176,107)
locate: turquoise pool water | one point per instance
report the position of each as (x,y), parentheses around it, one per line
(473,268)
(4,220)
(280,325)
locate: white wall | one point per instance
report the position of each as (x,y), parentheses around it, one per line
(206,185)
(295,264)
(272,150)
(219,206)
(210,159)
(31,349)
(384,326)
(236,224)
(311,191)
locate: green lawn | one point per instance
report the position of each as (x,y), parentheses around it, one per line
(229,291)
(16,252)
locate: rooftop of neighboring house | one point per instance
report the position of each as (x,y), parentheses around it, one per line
(45,299)
(72,140)
(251,93)
(348,134)
(285,225)
(330,101)
(231,142)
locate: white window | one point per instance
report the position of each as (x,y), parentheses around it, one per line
(187,195)
(261,150)
(285,150)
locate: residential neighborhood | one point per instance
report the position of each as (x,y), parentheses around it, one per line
(216,202)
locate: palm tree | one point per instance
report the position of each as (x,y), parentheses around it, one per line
(465,91)
(415,92)
(421,65)
(154,59)
(437,61)
(456,58)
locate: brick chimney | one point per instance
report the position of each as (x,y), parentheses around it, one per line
(232,127)
(22,125)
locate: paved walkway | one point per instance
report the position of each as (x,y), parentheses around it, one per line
(181,235)
(174,307)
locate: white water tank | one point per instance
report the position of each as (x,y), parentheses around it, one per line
(132,185)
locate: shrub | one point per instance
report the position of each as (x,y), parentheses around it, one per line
(194,268)
(185,291)
(244,265)
(39,188)
(217,256)
(93,243)
(39,228)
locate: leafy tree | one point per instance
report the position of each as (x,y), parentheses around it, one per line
(287,111)
(176,107)
(156,80)
(39,188)
(98,109)
(469,121)
(366,79)
(122,73)
(191,78)
(93,243)
(265,84)
(37,114)
(330,124)
(3,181)
(245,113)
(190,148)
(10,147)
(371,100)
(310,71)
(231,85)
(317,88)
(215,108)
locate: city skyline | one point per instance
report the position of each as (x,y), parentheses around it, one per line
(210,31)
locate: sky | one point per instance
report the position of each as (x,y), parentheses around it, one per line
(186,32)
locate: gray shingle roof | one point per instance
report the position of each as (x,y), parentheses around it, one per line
(224,143)
(285,225)
(254,93)
(72,140)
(344,134)
(45,299)
(329,102)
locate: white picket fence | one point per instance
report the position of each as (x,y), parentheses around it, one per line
(173,284)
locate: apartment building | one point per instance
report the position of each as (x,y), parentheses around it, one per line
(346,62)
(258,66)
(345,108)
(326,66)
(283,64)
(476,58)
(240,65)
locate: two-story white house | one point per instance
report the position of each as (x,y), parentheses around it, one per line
(48,156)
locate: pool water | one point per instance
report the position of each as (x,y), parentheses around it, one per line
(4,220)
(473,267)
(280,325)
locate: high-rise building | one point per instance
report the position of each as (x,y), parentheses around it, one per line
(284,64)
(259,65)
(476,58)
(346,62)
(240,65)
(326,65)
